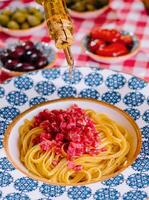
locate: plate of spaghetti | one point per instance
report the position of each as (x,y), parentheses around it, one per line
(72,141)
(94,154)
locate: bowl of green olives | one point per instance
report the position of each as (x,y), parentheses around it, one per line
(22,21)
(26,56)
(85,9)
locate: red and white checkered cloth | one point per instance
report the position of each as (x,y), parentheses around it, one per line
(128,15)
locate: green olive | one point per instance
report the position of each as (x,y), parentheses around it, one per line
(4,19)
(25,25)
(13,25)
(39,15)
(22,10)
(33,20)
(103,2)
(90,7)
(86,5)
(78,6)
(32,10)
(19,17)
(7,12)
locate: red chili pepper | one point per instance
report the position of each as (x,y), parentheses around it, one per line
(113,50)
(94,45)
(127,39)
(108,35)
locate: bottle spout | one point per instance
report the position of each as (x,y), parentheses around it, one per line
(69,56)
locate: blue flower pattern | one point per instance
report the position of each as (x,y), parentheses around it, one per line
(145,132)
(16,98)
(25,184)
(79,193)
(37,100)
(5,165)
(45,88)
(51,74)
(1,142)
(93,79)
(117,180)
(145,148)
(134,99)
(5,179)
(51,190)
(16,196)
(75,78)
(89,93)
(3,127)
(9,113)
(115,81)
(106,194)
(145,116)
(67,91)
(135,83)
(134,113)
(2,92)
(111,97)
(135,195)
(95,83)
(141,164)
(138,180)
(23,83)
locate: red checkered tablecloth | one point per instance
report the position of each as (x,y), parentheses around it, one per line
(128,15)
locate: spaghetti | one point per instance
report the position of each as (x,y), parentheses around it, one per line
(70,160)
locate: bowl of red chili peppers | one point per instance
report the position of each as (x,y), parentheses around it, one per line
(110,45)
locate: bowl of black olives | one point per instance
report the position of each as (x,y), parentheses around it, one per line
(86,9)
(23,20)
(22,57)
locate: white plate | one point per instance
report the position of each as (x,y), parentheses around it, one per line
(125,91)
(11,139)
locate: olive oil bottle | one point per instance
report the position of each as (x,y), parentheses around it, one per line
(60,26)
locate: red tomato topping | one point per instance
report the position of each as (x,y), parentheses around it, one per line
(45,136)
(108,35)
(78,168)
(55,162)
(71,128)
(71,165)
(113,50)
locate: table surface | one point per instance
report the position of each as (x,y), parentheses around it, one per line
(128,15)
